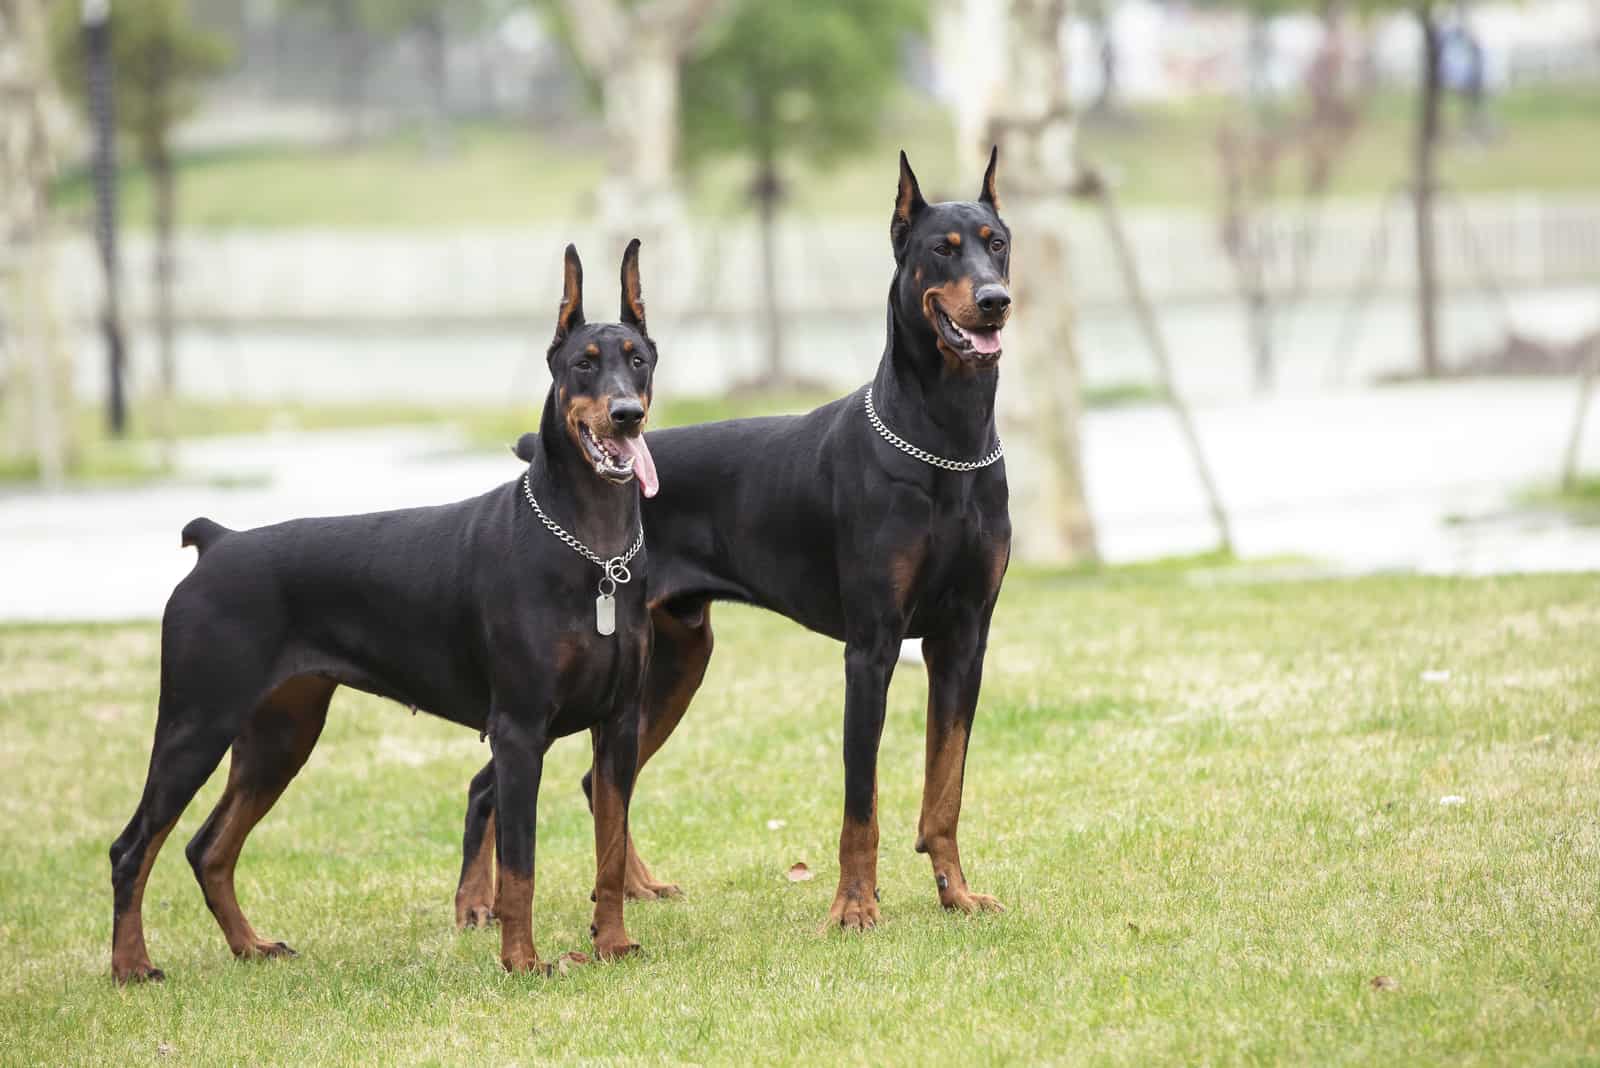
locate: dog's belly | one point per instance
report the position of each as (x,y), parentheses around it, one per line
(440,689)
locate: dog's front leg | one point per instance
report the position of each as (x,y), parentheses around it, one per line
(518,743)
(616,757)
(868,666)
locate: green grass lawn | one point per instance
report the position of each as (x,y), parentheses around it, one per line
(1213,809)
(1542,140)
(509,175)
(1579,502)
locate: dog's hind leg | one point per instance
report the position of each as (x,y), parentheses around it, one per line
(268,753)
(475,892)
(678,662)
(189,744)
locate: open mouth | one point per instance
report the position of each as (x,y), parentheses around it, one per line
(978,344)
(620,459)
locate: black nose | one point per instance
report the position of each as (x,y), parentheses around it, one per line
(627,414)
(993,298)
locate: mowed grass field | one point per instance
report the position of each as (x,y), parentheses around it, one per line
(505,174)
(1213,808)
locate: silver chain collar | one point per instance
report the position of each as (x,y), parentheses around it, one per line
(616,568)
(923,454)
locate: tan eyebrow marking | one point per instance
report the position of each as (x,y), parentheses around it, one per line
(954,238)
(984,232)
(592,349)
(627,345)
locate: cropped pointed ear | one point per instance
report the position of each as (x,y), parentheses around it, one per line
(988,195)
(570,316)
(908,204)
(632,301)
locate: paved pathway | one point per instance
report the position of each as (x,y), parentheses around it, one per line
(1365,480)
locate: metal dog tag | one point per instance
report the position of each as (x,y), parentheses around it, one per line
(605,614)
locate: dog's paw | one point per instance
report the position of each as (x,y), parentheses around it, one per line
(967,901)
(264,950)
(853,912)
(645,890)
(614,948)
(474,916)
(143,972)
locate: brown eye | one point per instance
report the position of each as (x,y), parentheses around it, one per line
(941,249)
(997,245)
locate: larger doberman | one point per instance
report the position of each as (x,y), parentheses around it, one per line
(475,611)
(880,516)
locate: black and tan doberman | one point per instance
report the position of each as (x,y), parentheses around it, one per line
(512,613)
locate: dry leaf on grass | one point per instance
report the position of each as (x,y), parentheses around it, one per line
(1384,982)
(798,872)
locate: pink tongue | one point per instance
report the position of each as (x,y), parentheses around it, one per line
(644,466)
(984,341)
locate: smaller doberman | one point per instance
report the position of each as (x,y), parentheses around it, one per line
(511,613)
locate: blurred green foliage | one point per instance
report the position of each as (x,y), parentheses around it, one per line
(810,79)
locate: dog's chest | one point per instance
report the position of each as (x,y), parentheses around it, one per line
(591,672)
(959,552)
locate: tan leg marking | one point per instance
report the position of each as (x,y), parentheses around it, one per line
(855,902)
(475,895)
(130,960)
(611,862)
(298,707)
(676,670)
(513,903)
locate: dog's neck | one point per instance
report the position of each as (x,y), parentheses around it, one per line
(946,411)
(602,515)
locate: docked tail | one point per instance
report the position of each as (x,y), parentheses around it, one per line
(202,533)
(526,447)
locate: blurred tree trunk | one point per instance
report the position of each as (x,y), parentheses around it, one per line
(156,155)
(433,38)
(1259,61)
(1572,463)
(1101,16)
(1425,186)
(1092,183)
(354,53)
(1246,234)
(768,193)
(1036,128)
(634,52)
(35,369)
(101,96)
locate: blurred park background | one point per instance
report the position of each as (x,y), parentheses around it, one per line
(1309,285)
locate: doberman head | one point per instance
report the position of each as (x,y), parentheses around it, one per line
(952,271)
(601,377)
